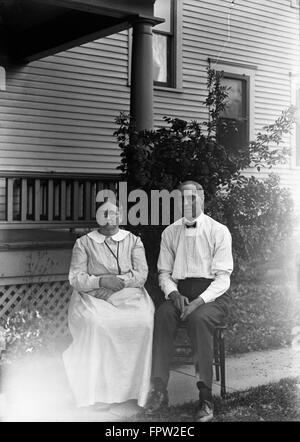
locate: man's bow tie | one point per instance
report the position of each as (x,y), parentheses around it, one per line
(188,226)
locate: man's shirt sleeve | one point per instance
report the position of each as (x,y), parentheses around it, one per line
(222,266)
(165,265)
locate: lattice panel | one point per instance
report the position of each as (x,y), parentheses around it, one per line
(52,297)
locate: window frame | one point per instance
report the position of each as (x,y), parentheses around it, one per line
(176,48)
(295,88)
(170,36)
(245,95)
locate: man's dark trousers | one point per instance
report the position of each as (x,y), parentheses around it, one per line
(200,326)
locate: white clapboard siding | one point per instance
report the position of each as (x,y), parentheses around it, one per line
(263,34)
(57,114)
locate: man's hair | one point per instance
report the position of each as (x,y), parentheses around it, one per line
(196,184)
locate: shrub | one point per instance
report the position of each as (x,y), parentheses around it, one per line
(256,212)
(25,332)
(259,215)
(262,317)
(161,158)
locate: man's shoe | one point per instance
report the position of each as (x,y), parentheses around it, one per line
(156,401)
(205,413)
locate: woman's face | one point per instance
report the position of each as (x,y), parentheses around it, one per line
(108,217)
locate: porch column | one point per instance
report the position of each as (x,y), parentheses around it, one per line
(141,94)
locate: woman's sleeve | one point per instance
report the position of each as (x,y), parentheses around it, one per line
(139,270)
(79,277)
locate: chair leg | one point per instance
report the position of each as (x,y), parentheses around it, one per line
(222,363)
(217,353)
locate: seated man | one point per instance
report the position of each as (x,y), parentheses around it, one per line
(194,266)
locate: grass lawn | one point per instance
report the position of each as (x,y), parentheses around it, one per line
(272,402)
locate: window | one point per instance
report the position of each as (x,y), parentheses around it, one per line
(163,44)
(295,4)
(298,127)
(167,45)
(233,127)
(295,101)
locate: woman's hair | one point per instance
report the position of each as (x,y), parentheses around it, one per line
(107,199)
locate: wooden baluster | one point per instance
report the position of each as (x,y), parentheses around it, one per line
(37,198)
(24,200)
(57,200)
(93,199)
(30,199)
(80,200)
(63,201)
(99,185)
(9,198)
(112,186)
(50,200)
(75,200)
(69,205)
(87,201)
(44,200)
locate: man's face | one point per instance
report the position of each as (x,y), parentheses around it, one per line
(192,201)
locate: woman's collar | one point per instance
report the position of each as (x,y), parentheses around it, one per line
(100,238)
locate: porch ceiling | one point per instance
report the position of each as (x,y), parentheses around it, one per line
(32,29)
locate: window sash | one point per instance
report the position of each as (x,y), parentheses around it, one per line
(170,47)
(297,126)
(243,123)
(160,10)
(168,63)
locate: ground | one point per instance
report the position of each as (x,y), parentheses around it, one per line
(272,402)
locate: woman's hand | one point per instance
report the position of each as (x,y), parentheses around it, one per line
(103,296)
(111,282)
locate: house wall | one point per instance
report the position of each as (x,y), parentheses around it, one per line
(263,41)
(57,114)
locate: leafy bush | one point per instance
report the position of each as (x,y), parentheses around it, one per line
(262,317)
(256,212)
(259,215)
(160,159)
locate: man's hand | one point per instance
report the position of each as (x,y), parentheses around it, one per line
(178,300)
(111,282)
(191,307)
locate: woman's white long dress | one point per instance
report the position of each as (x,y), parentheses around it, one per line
(110,357)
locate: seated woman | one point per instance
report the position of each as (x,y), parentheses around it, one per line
(110,315)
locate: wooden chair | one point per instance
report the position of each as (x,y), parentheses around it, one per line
(219,355)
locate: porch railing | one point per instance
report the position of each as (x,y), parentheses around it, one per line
(56,200)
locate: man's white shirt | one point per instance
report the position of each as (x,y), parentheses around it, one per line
(203,251)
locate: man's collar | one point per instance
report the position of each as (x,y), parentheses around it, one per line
(99,238)
(199,220)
